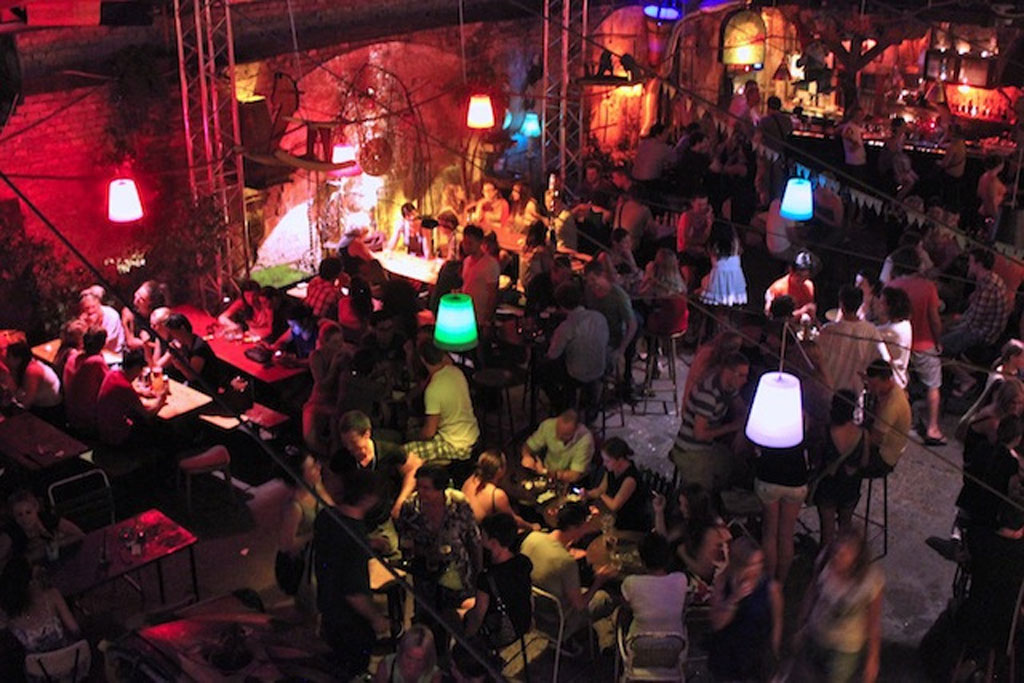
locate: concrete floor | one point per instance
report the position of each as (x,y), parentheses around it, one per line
(237,548)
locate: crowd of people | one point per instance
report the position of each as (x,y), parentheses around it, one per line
(392,456)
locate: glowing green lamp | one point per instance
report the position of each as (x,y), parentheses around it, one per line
(455,329)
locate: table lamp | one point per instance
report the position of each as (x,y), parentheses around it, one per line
(455,329)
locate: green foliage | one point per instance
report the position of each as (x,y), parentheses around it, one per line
(38,285)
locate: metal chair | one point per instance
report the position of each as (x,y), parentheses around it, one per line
(651,656)
(215,459)
(559,638)
(86,499)
(869,521)
(666,326)
(71,663)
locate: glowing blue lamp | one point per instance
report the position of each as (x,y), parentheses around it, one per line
(798,200)
(531,125)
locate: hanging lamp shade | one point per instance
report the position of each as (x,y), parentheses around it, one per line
(123,202)
(455,329)
(742,39)
(798,200)
(776,417)
(343,152)
(481,112)
(531,125)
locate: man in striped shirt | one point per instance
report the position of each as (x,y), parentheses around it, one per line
(713,412)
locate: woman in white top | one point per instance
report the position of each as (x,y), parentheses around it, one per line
(725,285)
(657,598)
(523,208)
(893,308)
(35,384)
(38,617)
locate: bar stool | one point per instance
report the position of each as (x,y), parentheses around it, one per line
(869,521)
(666,325)
(498,382)
(215,459)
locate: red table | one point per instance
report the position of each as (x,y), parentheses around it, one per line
(233,352)
(80,567)
(35,444)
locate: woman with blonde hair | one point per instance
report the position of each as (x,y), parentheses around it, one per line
(414,662)
(484,495)
(662,277)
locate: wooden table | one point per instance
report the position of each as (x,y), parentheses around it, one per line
(35,444)
(182,399)
(233,352)
(535,491)
(599,553)
(409,266)
(259,415)
(80,567)
(48,352)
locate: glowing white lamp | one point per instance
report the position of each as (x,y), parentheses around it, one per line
(798,200)
(481,112)
(776,417)
(123,202)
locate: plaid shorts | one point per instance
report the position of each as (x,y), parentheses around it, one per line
(437,449)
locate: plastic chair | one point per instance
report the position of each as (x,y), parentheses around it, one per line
(651,656)
(71,663)
(86,499)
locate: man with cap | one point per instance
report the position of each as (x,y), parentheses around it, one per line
(795,284)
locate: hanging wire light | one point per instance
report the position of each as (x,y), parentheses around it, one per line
(480,115)
(123,202)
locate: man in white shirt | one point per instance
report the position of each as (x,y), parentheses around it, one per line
(480,272)
(450,429)
(95,314)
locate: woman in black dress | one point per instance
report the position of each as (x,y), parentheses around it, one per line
(620,488)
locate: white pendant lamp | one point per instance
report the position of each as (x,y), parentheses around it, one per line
(798,200)
(123,202)
(776,417)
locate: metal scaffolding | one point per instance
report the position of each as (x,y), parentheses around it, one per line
(565,26)
(213,147)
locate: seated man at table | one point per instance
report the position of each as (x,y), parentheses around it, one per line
(324,290)
(398,469)
(611,301)
(192,358)
(83,376)
(120,410)
(450,429)
(95,314)
(578,352)
(555,570)
(566,445)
